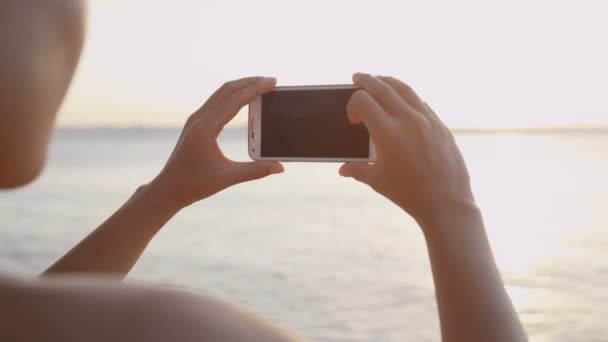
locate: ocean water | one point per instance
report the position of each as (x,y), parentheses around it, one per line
(328,256)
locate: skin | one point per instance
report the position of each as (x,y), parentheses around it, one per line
(98,309)
(195,170)
(419,168)
(78,298)
(40,43)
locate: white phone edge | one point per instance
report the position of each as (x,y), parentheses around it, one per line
(254,132)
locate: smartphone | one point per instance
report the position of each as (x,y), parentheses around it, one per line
(307,123)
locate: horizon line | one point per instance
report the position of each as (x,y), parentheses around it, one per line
(547,128)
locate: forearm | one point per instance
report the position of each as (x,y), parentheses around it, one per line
(115,246)
(196,169)
(472,301)
(423,171)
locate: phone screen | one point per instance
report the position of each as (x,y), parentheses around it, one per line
(310,123)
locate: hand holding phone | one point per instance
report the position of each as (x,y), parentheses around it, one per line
(418,166)
(197,168)
(307,123)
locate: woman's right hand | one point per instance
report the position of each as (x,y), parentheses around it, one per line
(419,166)
(197,167)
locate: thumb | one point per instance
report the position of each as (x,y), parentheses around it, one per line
(243,172)
(359,171)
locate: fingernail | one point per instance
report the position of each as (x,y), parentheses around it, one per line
(357,76)
(276,168)
(270,79)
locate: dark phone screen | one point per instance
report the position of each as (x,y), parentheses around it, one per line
(311,123)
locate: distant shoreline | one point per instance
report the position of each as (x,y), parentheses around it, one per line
(557,130)
(533,130)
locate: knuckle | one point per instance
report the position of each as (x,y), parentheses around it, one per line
(356,97)
(191,119)
(201,126)
(366,78)
(425,125)
(447,132)
(376,91)
(406,87)
(188,125)
(225,85)
(380,89)
(384,87)
(230,86)
(244,96)
(375,186)
(188,122)
(356,101)
(392,79)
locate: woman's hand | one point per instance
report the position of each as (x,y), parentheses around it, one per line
(197,167)
(418,166)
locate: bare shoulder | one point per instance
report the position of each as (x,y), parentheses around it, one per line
(105,310)
(34,310)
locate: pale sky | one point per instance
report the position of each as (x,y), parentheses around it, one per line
(478,63)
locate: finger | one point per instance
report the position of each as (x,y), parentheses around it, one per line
(225,90)
(360,171)
(190,124)
(419,109)
(386,96)
(353,118)
(233,103)
(432,112)
(216,98)
(229,88)
(240,172)
(436,119)
(406,92)
(363,108)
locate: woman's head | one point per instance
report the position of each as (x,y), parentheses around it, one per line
(40,44)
